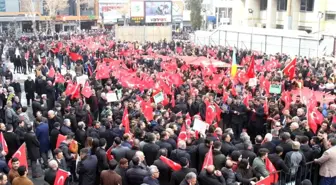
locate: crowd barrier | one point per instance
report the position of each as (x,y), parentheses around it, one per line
(309,171)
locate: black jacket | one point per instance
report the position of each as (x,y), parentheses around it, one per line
(219,159)
(80,137)
(178,176)
(227,148)
(49,176)
(135,175)
(210,179)
(86,170)
(166,145)
(102,159)
(13,143)
(33,146)
(177,154)
(270,146)
(29,86)
(53,138)
(66,153)
(307,151)
(150,151)
(165,172)
(278,163)
(229,176)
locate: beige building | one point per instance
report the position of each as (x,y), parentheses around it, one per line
(281,14)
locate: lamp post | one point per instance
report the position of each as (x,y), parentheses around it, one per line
(251,12)
(320,16)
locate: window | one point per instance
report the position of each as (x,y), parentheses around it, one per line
(307,5)
(282,5)
(329,16)
(263,5)
(279,26)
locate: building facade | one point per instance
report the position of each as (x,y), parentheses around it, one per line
(308,15)
(14,13)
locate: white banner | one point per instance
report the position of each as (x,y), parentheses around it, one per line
(111,97)
(159,97)
(137,9)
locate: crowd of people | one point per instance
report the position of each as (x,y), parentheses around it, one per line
(137,140)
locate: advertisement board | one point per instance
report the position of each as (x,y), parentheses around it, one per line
(113,10)
(137,12)
(177,10)
(158,12)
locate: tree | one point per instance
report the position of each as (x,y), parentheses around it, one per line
(53,6)
(195,13)
(30,7)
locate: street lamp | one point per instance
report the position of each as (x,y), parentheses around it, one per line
(251,12)
(320,16)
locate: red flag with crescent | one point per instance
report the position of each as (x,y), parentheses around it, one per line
(208,160)
(3,142)
(289,70)
(173,165)
(61,177)
(108,154)
(21,155)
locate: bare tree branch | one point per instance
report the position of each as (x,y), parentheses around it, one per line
(53,6)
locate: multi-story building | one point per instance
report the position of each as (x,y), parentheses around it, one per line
(308,15)
(15,13)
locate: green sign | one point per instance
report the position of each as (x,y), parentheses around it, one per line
(276,89)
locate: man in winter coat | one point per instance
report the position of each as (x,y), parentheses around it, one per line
(42,134)
(87,167)
(33,149)
(29,86)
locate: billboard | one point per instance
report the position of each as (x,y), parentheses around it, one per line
(177,10)
(113,10)
(158,11)
(137,12)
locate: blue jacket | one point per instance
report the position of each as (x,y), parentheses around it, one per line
(42,134)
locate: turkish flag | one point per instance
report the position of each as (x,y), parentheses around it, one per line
(60,139)
(147,110)
(183,134)
(265,181)
(102,73)
(69,89)
(61,177)
(51,72)
(125,121)
(108,154)
(21,155)
(59,78)
(188,119)
(334,119)
(210,113)
(3,143)
(208,160)
(87,91)
(173,165)
(76,91)
(289,70)
(271,169)
(75,57)
(55,50)
(233,90)
(250,71)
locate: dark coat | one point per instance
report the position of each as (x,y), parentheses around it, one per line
(73,120)
(65,130)
(33,146)
(307,151)
(36,106)
(165,172)
(42,134)
(29,86)
(166,145)
(248,154)
(229,176)
(4,167)
(102,159)
(119,152)
(53,138)
(135,175)
(287,147)
(122,173)
(227,148)
(13,143)
(62,164)
(210,179)
(66,153)
(80,137)
(270,146)
(49,176)
(219,159)
(278,163)
(151,181)
(202,150)
(177,154)
(86,170)
(178,176)
(21,132)
(150,151)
